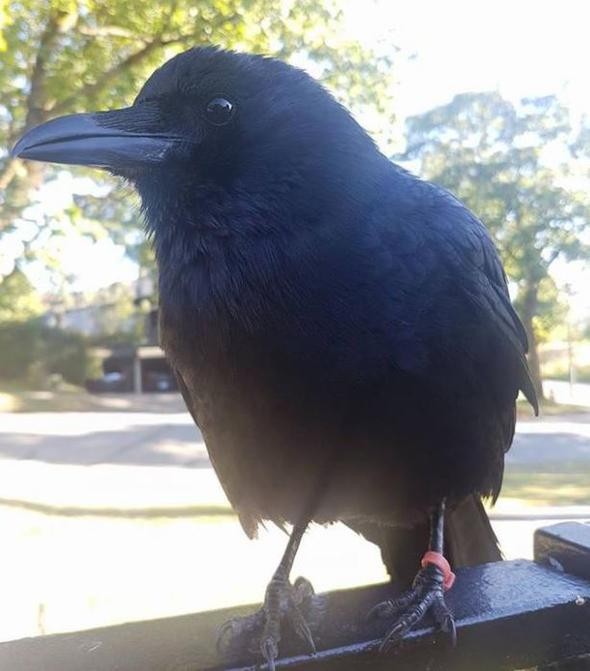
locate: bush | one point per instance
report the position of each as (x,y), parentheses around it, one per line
(20,348)
(31,350)
(66,355)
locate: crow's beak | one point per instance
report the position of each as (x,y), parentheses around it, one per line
(124,138)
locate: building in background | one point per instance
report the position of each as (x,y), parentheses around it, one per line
(121,324)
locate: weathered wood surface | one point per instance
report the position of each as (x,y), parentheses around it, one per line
(510,615)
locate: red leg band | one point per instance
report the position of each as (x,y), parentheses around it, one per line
(441,563)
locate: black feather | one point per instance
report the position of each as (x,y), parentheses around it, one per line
(324,307)
(341,330)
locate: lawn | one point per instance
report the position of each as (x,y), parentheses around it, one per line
(548,408)
(18,397)
(544,485)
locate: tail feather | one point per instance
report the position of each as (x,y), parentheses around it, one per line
(469,540)
(469,537)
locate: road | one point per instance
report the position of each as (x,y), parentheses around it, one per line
(109,517)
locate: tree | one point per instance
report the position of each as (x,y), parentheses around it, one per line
(18,299)
(61,56)
(520,168)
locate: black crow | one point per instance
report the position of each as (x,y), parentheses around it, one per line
(341,330)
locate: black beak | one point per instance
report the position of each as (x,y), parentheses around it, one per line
(117,139)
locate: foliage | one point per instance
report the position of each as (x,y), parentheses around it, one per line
(511,165)
(29,349)
(551,311)
(118,322)
(20,343)
(33,348)
(61,56)
(65,354)
(18,298)
(522,169)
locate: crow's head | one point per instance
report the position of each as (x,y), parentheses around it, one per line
(214,118)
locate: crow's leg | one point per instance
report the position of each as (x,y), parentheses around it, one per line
(427,592)
(283,602)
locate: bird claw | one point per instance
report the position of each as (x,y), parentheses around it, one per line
(261,632)
(270,651)
(390,607)
(444,620)
(425,596)
(236,630)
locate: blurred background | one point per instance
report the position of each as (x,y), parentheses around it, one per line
(109,508)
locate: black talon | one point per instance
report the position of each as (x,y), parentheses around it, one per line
(261,632)
(445,621)
(270,652)
(426,595)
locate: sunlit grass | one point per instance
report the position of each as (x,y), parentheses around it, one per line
(16,396)
(67,573)
(548,408)
(554,486)
(20,397)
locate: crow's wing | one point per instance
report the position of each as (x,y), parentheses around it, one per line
(186,395)
(466,244)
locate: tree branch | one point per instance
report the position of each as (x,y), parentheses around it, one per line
(553,257)
(95,87)
(109,31)
(36,102)
(126,64)
(7,173)
(57,23)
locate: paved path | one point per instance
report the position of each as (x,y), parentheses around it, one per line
(138,460)
(151,460)
(552,440)
(564,392)
(134,438)
(172,439)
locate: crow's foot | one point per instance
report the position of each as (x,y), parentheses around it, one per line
(261,631)
(425,596)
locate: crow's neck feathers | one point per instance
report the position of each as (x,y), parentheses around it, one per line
(217,242)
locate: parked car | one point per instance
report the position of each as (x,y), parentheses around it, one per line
(114,381)
(159,382)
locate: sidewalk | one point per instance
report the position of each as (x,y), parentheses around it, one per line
(77,463)
(563,392)
(142,460)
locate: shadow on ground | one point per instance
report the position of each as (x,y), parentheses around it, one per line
(138,445)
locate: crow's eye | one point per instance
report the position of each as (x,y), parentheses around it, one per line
(219,111)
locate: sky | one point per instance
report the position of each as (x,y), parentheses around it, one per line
(90,264)
(517,47)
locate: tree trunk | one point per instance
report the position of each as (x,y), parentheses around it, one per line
(529,310)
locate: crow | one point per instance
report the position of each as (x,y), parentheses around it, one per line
(341,330)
